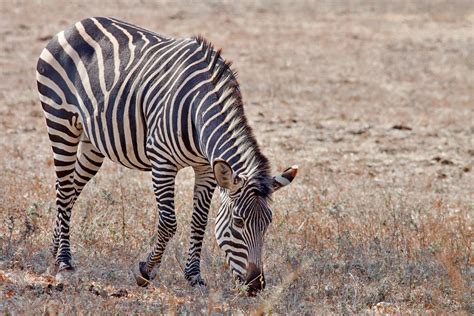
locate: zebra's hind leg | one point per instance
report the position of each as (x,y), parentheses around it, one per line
(72,176)
(163,177)
(204,186)
(64,133)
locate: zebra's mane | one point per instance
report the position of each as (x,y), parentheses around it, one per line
(223,75)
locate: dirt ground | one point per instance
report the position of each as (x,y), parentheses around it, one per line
(374,100)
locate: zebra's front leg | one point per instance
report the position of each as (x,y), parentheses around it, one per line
(203,189)
(163,186)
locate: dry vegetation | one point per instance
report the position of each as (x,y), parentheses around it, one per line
(373,100)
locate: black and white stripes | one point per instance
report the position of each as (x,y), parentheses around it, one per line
(153,103)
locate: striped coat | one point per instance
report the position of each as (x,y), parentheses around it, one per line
(153,103)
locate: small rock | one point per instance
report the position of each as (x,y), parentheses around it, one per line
(360,131)
(442,175)
(443,161)
(328,290)
(120,293)
(401,127)
(98,291)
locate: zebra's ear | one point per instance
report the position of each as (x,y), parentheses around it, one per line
(225,176)
(284,178)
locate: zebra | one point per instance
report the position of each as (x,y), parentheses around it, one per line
(159,104)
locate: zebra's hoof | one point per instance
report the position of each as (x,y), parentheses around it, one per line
(141,277)
(196,280)
(66,266)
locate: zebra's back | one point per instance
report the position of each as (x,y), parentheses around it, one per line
(99,73)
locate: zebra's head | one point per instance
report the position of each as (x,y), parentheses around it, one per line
(243,219)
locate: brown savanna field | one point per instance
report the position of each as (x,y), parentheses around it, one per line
(374,100)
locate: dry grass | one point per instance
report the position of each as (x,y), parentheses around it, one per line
(374,101)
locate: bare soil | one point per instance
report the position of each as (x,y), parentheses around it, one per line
(374,100)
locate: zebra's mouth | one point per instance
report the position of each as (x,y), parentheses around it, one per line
(255,279)
(253,282)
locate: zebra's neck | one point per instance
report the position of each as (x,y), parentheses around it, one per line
(223,131)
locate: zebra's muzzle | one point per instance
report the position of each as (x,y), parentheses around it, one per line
(255,279)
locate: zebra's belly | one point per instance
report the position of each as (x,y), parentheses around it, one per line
(121,140)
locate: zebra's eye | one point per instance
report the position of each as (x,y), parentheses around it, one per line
(238,222)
